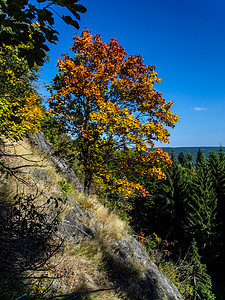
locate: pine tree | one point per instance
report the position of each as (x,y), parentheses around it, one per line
(200,280)
(190,161)
(182,159)
(217,167)
(217,262)
(167,210)
(201,206)
(221,154)
(200,159)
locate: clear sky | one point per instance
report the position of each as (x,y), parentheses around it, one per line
(185,40)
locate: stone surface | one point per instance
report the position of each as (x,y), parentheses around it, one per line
(39,141)
(123,256)
(72,225)
(153,283)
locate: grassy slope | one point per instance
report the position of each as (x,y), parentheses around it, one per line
(78,266)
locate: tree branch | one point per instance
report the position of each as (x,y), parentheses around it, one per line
(79,294)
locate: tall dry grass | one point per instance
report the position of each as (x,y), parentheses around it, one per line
(76,267)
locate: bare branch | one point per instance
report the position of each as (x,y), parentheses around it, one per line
(79,294)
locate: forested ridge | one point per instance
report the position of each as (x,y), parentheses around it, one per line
(103,114)
(188,209)
(192,150)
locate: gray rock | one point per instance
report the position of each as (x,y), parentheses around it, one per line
(153,284)
(39,140)
(123,256)
(63,166)
(72,225)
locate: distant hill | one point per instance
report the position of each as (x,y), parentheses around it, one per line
(191,150)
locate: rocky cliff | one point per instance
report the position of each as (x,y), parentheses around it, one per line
(96,256)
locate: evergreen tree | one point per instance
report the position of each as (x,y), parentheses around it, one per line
(178,192)
(190,161)
(217,262)
(182,159)
(200,159)
(201,206)
(221,155)
(217,167)
(166,209)
(200,280)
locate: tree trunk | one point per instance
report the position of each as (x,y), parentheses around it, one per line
(87,181)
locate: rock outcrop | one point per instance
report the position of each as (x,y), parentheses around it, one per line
(133,272)
(39,140)
(153,284)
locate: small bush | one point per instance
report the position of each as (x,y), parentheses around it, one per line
(159,251)
(65,186)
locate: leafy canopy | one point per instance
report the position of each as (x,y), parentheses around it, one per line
(104,97)
(19,102)
(32,22)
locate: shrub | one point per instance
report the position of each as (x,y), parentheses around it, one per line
(65,186)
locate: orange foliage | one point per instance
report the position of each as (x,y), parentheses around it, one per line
(105,97)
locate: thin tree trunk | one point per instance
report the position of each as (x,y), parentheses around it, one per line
(88,181)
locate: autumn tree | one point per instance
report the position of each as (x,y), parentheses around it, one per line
(106,101)
(19,102)
(32,23)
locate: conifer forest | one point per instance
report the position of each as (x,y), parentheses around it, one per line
(185,213)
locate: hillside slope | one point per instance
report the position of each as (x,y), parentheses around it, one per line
(54,240)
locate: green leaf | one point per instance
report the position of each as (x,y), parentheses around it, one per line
(76,15)
(68,20)
(80,8)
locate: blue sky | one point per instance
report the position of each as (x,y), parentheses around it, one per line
(185,40)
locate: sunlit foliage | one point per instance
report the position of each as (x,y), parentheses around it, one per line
(32,23)
(106,100)
(19,109)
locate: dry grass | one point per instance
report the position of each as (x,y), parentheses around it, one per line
(24,160)
(110,226)
(28,160)
(79,267)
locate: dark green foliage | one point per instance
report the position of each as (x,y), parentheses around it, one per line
(201,281)
(217,168)
(217,264)
(201,207)
(17,25)
(189,157)
(200,160)
(189,161)
(184,208)
(221,155)
(182,159)
(170,201)
(164,210)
